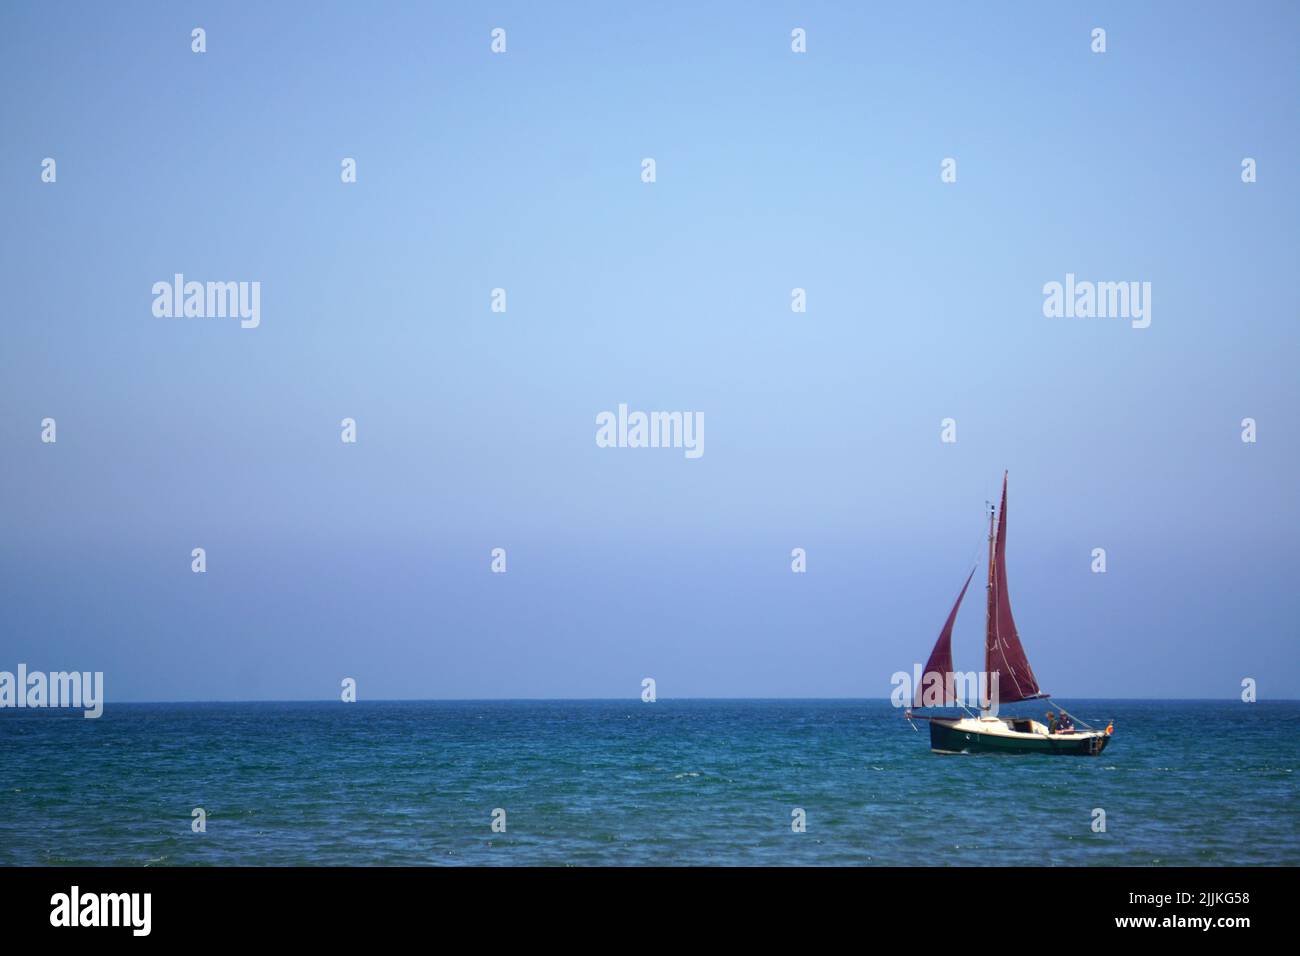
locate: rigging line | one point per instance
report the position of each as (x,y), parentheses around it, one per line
(1079,719)
(981,543)
(1009,668)
(973,563)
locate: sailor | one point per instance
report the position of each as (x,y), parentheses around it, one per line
(1067,723)
(1051,722)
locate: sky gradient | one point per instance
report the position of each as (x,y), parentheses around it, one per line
(476,429)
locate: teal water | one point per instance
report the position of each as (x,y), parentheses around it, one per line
(625,782)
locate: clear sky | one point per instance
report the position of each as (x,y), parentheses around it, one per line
(476,429)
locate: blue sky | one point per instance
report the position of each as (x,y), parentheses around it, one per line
(476,429)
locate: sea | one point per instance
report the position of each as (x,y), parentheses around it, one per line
(629,783)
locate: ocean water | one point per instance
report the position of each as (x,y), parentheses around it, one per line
(627,783)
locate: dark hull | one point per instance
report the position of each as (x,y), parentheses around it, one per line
(946,739)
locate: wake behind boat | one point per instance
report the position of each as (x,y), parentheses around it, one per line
(1007,673)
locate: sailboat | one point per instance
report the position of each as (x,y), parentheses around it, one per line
(1007,674)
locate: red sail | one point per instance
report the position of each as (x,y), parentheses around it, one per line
(940,662)
(1003,654)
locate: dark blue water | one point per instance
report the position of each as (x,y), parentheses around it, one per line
(619,782)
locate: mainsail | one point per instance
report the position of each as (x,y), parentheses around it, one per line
(940,662)
(1003,654)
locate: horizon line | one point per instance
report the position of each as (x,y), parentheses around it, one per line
(637,699)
